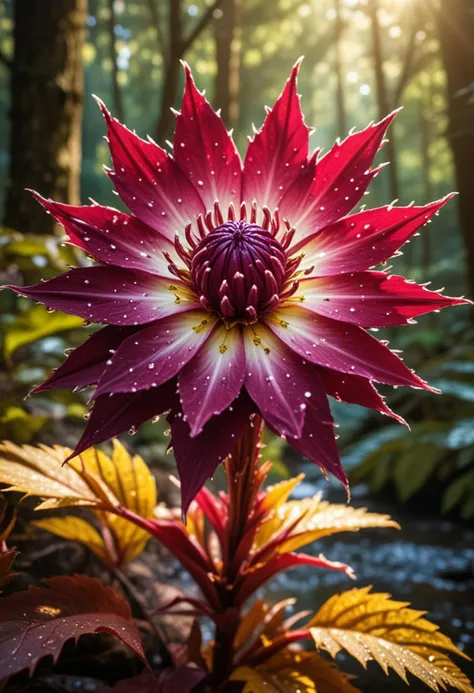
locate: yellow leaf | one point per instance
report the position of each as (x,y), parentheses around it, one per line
(374,627)
(75,529)
(311,519)
(279,493)
(294,671)
(91,479)
(250,623)
(32,325)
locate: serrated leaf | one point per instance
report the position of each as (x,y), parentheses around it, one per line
(35,324)
(294,671)
(94,480)
(299,523)
(38,622)
(374,627)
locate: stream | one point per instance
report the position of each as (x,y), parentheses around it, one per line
(429,563)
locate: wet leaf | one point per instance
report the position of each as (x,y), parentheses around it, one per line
(298,523)
(92,479)
(181,680)
(294,671)
(372,626)
(38,622)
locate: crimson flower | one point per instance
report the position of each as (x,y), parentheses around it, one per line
(236,288)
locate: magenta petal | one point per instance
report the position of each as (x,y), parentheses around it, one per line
(115,414)
(330,188)
(158,354)
(365,239)
(278,150)
(353,389)
(198,457)
(280,382)
(205,150)
(371,299)
(212,380)
(340,346)
(113,237)
(111,295)
(149,181)
(85,364)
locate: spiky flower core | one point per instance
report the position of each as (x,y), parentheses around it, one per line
(236,288)
(239,270)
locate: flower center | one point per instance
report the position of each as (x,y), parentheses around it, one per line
(238,270)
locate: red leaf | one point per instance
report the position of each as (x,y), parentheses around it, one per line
(181,680)
(37,623)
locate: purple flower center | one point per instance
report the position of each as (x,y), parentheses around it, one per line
(238,270)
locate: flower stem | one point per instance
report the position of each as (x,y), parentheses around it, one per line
(243,484)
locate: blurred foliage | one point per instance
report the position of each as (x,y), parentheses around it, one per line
(439,448)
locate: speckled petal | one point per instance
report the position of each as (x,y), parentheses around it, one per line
(112,295)
(158,354)
(212,380)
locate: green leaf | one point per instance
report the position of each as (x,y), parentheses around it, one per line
(35,324)
(414,468)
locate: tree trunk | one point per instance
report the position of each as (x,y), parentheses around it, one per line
(425,107)
(383,99)
(117,92)
(228,37)
(170,85)
(456,33)
(46,108)
(340,101)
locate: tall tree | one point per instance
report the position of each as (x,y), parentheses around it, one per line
(383,98)
(174,40)
(46,108)
(228,38)
(338,69)
(456,32)
(117,92)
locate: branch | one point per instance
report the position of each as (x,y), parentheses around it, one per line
(200,26)
(156,19)
(407,71)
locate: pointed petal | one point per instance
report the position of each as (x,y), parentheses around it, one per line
(340,346)
(278,150)
(149,181)
(280,382)
(112,295)
(115,414)
(113,237)
(212,380)
(205,150)
(363,240)
(371,299)
(198,457)
(318,442)
(85,364)
(330,188)
(353,389)
(158,355)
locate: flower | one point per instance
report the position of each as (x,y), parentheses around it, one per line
(236,288)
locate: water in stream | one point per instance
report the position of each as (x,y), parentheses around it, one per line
(429,563)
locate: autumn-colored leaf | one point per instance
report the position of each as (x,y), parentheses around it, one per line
(38,622)
(294,671)
(92,479)
(372,626)
(298,523)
